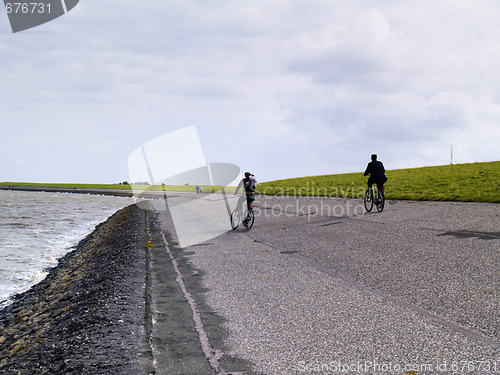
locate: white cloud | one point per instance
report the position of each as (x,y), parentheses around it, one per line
(313,87)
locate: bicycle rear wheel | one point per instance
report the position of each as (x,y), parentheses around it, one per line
(368,200)
(380,200)
(235,218)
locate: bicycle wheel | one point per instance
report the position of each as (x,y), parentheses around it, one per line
(235,218)
(368,200)
(250,221)
(380,200)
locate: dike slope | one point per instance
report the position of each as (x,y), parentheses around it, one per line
(88,315)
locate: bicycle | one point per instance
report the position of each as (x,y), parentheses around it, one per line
(239,215)
(369,198)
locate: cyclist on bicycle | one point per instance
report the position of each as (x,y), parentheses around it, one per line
(250,184)
(376,171)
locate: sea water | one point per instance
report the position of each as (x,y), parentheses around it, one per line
(37,228)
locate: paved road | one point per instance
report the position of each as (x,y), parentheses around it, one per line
(318,286)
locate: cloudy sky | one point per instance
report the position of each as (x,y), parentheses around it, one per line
(283,88)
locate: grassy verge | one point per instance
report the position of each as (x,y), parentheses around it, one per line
(473,182)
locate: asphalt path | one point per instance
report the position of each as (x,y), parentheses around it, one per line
(319,286)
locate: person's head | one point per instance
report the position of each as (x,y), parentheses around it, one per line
(247,174)
(374,157)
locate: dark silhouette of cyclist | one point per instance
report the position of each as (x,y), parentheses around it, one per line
(376,171)
(248,182)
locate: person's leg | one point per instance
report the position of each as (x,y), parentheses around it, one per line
(370,181)
(250,200)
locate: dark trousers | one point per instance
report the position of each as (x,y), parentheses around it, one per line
(250,198)
(378,180)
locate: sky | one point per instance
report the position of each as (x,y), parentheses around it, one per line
(282,88)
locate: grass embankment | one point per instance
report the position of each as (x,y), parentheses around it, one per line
(473,182)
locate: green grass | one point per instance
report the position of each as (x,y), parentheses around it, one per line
(473,182)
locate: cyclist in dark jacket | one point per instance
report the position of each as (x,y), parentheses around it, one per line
(376,171)
(249,184)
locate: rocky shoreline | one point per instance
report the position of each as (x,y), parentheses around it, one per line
(88,315)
